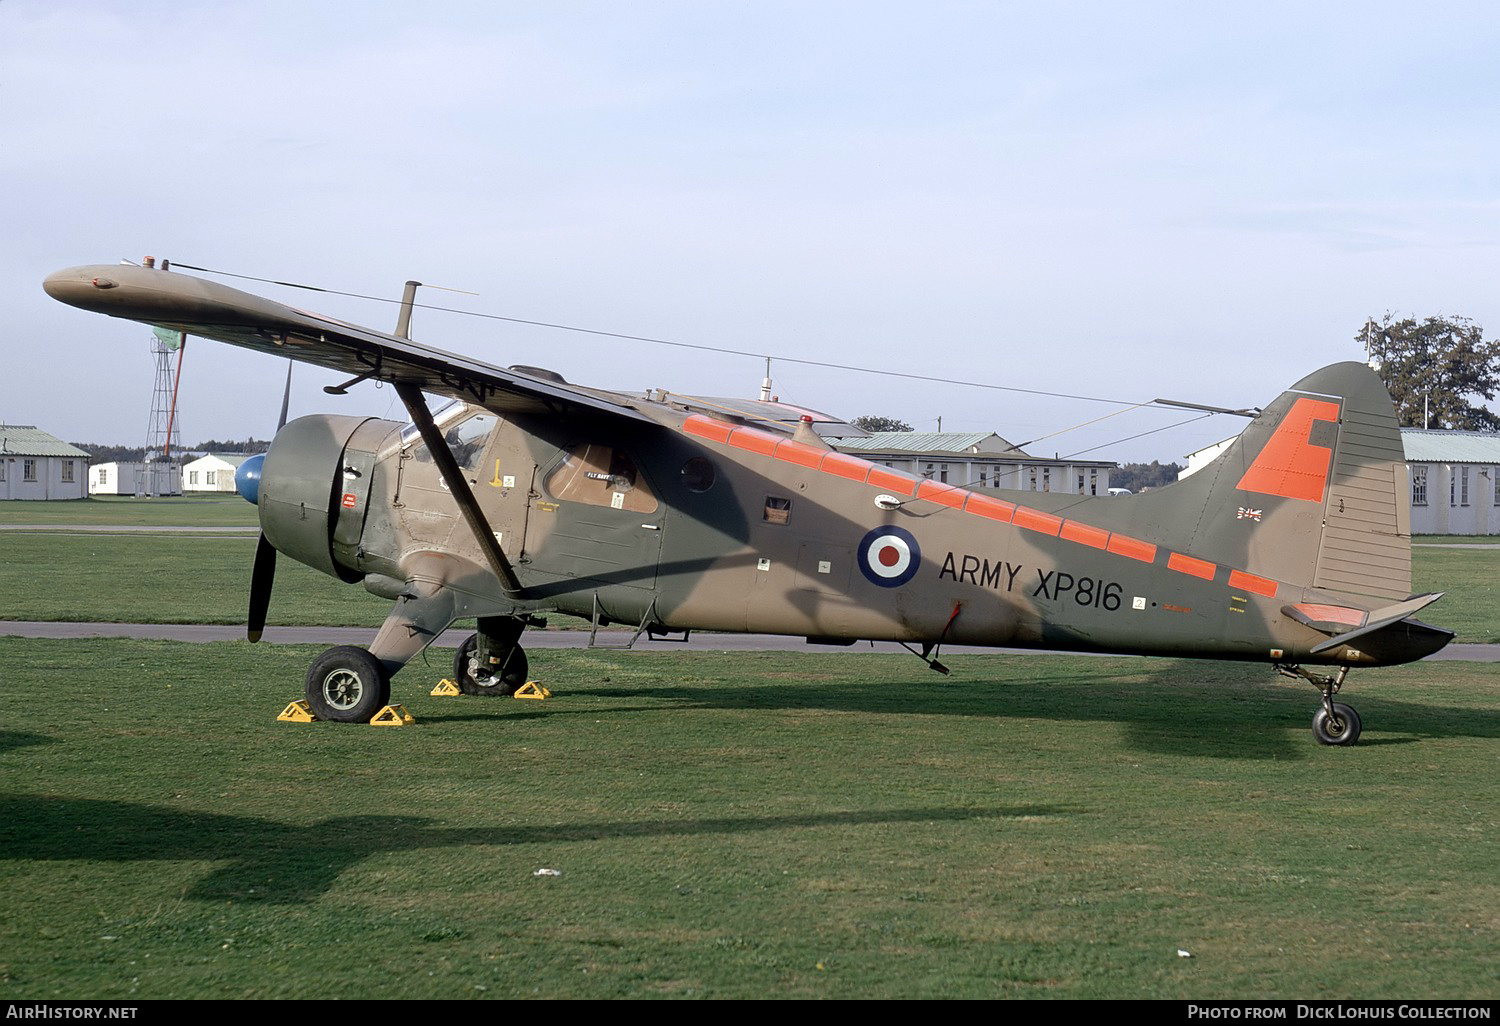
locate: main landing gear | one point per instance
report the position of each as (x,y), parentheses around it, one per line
(347,685)
(350,685)
(497,675)
(1334,723)
(492,662)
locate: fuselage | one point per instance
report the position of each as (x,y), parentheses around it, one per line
(698,523)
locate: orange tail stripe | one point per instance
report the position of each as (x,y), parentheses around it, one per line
(1121,545)
(1249,582)
(1289,464)
(1188,565)
(1035,520)
(1073,531)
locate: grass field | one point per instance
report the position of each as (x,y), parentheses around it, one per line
(834,825)
(218,510)
(1470,582)
(177,578)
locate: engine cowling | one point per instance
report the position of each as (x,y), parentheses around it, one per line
(304,490)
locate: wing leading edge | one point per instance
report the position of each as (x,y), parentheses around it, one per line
(207,309)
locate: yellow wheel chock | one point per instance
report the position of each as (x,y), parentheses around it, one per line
(445,689)
(532,690)
(393,716)
(296,712)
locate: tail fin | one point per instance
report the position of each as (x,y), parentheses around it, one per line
(1313,493)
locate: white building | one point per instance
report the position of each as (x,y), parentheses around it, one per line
(1453,481)
(212,473)
(130,479)
(1453,477)
(1196,461)
(977,460)
(36,465)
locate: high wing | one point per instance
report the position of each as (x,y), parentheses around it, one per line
(198,307)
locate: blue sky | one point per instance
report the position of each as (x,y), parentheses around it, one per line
(1199,201)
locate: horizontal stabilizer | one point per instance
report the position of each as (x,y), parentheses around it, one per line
(1379,620)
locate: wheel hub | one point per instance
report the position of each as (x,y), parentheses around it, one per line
(342,689)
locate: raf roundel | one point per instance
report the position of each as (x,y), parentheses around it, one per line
(889,556)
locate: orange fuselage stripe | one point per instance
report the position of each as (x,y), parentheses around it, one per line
(1188,565)
(1250,582)
(1121,545)
(1035,520)
(800,454)
(1308,465)
(891,480)
(752,440)
(942,494)
(1083,534)
(852,467)
(995,509)
(707,427)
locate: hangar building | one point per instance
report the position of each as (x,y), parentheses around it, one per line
(36,465)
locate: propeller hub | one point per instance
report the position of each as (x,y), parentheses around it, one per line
(247,479)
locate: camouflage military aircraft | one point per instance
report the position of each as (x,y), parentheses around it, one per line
(669,513)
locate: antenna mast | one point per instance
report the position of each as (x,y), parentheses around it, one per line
(160,473)
(163,434)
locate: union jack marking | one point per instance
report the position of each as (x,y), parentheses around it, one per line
(1249,514)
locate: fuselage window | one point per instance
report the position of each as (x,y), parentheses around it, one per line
(698,474)
(601,475)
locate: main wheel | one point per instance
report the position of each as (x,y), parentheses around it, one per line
(510,676)
(1342,728)
(347,685)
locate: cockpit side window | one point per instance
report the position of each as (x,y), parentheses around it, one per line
(600,475)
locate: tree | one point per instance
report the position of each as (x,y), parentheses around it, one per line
(111,453)
(1433,367)
(251,445)
(1140,476)
(874,425)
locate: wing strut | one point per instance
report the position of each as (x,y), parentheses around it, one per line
(453,477)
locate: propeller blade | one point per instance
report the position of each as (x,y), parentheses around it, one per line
(286,396)
(261,578)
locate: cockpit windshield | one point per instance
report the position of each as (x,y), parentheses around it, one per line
(465,428)
(445,413)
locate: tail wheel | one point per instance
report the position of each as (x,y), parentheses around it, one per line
(1340,726)
(498,681)
(347,685)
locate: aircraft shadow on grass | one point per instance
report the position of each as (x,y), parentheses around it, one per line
(1161,710)
(278,863)
(13,739)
